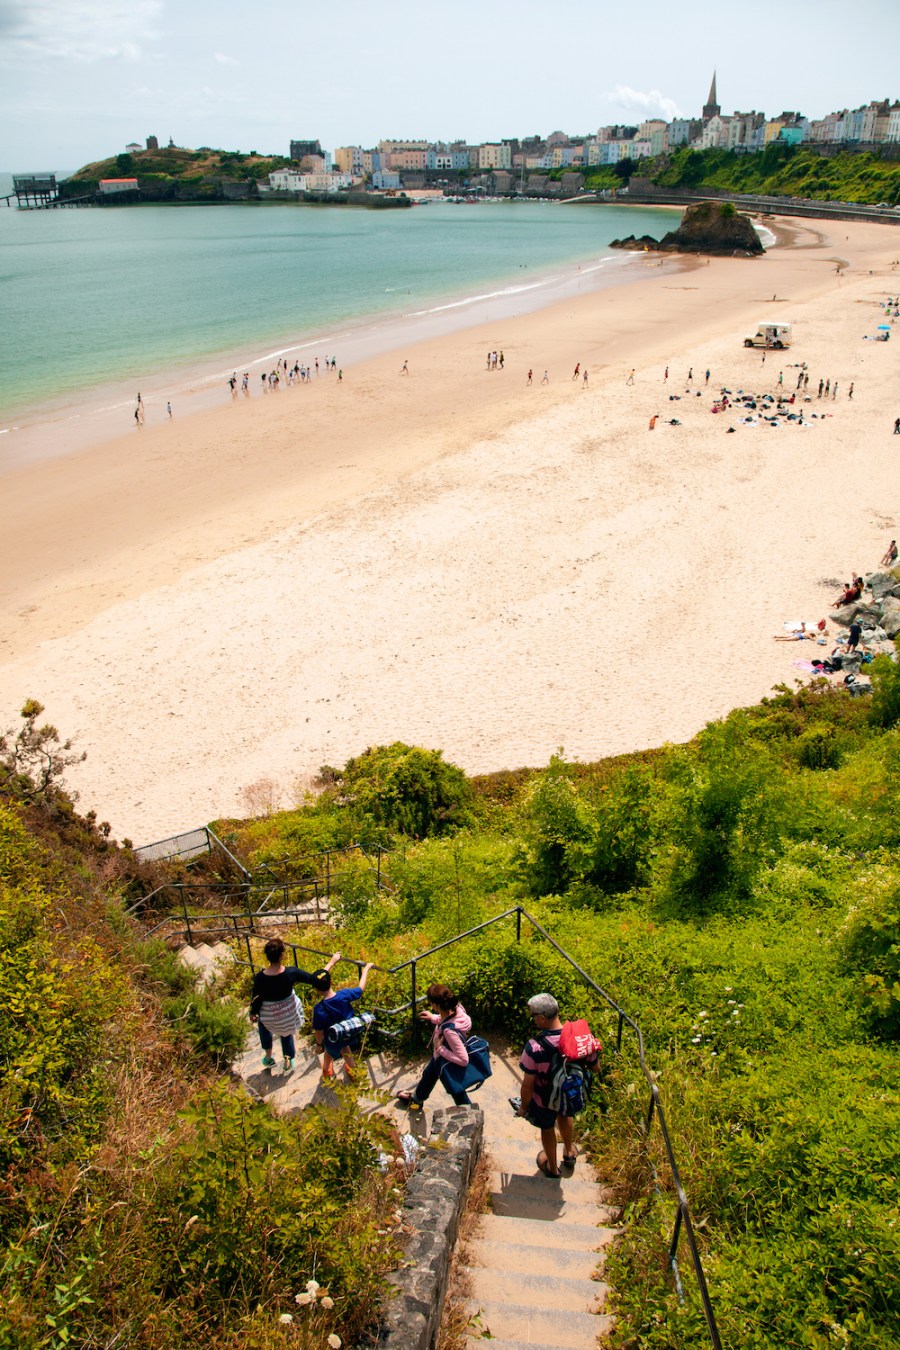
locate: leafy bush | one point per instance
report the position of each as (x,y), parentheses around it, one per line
(408,789)
(211,1025)
(817,747)
(872,943)
(885,708)
(717,822)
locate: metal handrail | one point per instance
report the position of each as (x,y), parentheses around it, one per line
(683,1214)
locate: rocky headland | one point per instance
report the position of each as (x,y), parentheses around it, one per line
(707,227)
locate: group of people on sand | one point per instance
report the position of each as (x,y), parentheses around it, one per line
(852,592)
(276,1010)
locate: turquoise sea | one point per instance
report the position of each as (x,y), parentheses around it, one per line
(90,298)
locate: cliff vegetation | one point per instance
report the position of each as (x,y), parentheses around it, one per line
(173,174)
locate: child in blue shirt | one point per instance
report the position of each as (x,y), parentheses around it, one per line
(336,1006)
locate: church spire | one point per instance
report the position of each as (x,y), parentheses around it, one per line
(711,107)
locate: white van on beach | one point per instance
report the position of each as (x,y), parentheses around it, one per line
(772,335)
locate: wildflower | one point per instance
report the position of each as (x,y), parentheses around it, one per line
(334,1341)
(704,1014)
(735,1013)
(303,1299)
(312,1287)
(285,1317)
(731,1002)
(729,988)
(696,1039)
(327,1302)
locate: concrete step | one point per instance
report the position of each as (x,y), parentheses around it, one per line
(525,1232)
(475,1343)
(541,1198)
(537,1326)
(574,1263)
(578,1190)
(552,1291)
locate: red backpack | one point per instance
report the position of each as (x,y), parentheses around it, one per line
(577,1042)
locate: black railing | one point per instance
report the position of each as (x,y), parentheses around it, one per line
(624,1021)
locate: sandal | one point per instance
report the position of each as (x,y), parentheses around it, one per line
(569,1159)
(544,1166)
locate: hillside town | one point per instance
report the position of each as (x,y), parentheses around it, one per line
(395,164)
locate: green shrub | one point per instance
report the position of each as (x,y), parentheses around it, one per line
(407,789)
(817,747)
(885,707)
(872,944)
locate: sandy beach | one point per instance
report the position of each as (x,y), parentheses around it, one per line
(453,558)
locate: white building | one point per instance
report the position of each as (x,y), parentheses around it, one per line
(290,180)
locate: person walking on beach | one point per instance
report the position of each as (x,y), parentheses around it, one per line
(404,369)
(341,376)
(690,377)
(707,377)
(665,375)
(501,360)
(137,417)
(821,387)
(834,391)
(546,379)
(827,387)
(530,377)
(630,379)
(577,370)
(584,379)
(169,410)
(850,390)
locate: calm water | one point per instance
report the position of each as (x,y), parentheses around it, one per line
(89,297)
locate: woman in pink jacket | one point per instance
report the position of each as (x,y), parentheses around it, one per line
(452,1025)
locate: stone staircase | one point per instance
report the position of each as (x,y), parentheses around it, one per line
(206,960)
(534,1272)
(535,1268)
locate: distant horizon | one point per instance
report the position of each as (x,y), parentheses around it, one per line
(84,77)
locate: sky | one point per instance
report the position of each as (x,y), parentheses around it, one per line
(81,78)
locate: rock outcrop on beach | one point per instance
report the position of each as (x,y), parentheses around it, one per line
(879,617)
(707,227)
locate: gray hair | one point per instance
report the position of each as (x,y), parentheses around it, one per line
(543,1005)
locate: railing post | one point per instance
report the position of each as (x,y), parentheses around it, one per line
(673,1245)
(412,980)
(328,875)
(619,1033)
(651,1109)
(378,869)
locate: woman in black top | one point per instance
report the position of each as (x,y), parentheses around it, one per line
(275,1006)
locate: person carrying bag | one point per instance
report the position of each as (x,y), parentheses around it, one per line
(449,1052)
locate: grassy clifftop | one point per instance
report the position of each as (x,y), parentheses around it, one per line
(172,174)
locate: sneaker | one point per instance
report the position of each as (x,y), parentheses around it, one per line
(268,1062)
(288,1064)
